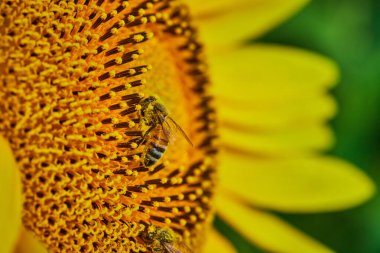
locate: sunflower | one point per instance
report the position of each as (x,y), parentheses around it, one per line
(76,76)
(106,108)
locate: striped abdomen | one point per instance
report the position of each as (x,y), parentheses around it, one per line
(155,146)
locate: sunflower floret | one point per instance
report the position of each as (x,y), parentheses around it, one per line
(72,76)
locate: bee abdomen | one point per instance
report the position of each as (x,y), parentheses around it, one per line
(158,148)
(153,154)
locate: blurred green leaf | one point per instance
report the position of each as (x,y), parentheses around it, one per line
(242,245)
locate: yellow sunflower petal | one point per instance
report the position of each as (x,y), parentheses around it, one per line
(10,199)
(266,230)
(311,184)
(28,243)
(278,115)
(278,144)
(203,9)
(228,22)
(260,73)
(217,243)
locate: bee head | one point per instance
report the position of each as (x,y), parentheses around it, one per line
(152,111)
(146,102)
(149,235)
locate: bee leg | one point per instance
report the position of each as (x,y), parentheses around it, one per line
(145,135)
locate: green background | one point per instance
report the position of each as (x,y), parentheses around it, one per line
(349,32)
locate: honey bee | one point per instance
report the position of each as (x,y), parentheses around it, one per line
(164,240)
(156,117)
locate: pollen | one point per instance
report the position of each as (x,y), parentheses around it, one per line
(73,74)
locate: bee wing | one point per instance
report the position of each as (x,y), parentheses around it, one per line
(162,121)
(181,130)
(178,247)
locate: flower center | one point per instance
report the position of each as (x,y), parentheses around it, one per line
(105,106)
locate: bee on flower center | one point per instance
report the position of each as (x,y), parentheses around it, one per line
(159,133)
(164,240)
